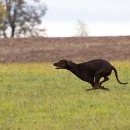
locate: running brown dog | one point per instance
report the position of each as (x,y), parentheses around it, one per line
(91,71)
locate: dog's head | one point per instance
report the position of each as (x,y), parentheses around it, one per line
(62,64)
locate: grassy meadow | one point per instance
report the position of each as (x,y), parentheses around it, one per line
(36,96)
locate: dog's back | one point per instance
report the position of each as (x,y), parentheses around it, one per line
(94,65)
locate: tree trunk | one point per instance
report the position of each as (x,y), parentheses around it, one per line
(12,30)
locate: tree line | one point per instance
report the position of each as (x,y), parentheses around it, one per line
(20,18)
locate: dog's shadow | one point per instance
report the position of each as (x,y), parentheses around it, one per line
(93,89)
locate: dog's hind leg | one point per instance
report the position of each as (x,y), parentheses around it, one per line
(98,75)
(102,87)
(105,79)
(101,72)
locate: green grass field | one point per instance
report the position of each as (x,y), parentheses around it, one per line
(38,97)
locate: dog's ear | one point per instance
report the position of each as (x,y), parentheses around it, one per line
(68,62)
(63,61)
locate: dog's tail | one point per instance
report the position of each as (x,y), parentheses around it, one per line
(113,68)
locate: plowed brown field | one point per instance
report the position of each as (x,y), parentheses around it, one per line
(74,48)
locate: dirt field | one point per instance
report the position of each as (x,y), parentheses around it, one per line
(53,49)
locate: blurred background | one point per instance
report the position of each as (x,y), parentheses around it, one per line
(51,30)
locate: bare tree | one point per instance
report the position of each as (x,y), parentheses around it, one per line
(22,18)
(82,30)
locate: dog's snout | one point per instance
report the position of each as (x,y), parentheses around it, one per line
(54,64)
